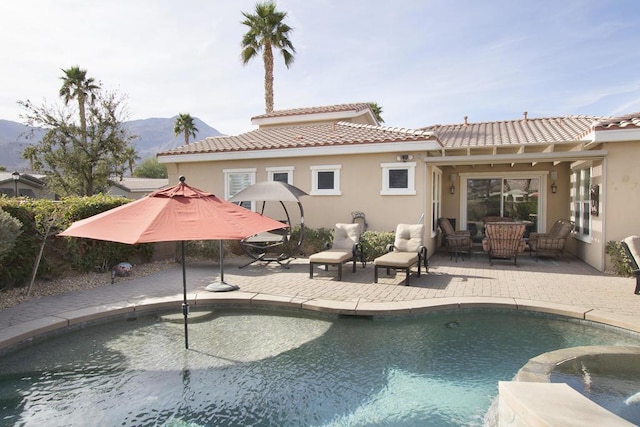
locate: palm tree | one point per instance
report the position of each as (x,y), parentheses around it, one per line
(377,111)
(267,31)
(184,124)
(77,86)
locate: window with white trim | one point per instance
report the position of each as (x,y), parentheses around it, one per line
(236,180)
(581,201)
(436,199)
(325,180)
(398,179)
(282,174)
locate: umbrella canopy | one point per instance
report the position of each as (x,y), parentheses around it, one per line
(173,214)
(176,213)
(269,191)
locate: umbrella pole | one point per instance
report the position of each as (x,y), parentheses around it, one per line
(221,286)
(185,304)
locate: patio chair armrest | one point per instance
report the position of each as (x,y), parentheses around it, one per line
(390,248)
(463,233)
(326,246)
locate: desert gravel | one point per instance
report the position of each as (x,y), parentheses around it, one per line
(75,282)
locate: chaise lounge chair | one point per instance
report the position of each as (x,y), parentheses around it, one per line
(631,246)
(346,247)
(406,251)
(552,242)
(504,240)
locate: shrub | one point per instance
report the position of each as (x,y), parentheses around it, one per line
(43,219)
(10,229)
(621,263)
(374,243)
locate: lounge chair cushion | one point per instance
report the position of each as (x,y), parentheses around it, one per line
(345,236)
(331,256)
(397,259)
(408,237)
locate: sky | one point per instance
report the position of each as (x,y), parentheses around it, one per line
(424,62)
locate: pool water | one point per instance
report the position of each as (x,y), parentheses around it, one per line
(610,380)
(270,368)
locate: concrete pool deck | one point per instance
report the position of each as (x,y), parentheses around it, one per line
(566,287)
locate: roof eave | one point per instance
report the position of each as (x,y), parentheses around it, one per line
(369,148)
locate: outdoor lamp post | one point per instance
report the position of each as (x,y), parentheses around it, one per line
(16,178)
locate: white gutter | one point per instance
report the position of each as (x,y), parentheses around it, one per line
(515,158)
(333,150)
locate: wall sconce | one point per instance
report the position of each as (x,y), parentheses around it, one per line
(404,157)
(452,187)
(554,177)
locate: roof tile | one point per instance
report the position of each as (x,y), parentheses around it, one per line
(328,134)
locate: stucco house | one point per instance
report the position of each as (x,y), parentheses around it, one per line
(27,185)
(135,188)
(537,170)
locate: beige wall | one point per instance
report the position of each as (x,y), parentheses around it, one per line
(620,193)
(360,185)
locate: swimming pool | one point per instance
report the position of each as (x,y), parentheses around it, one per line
(266,367)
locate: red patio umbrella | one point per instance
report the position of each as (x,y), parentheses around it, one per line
(177,213)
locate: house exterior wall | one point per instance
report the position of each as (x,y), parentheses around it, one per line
(360,187)
(620,192)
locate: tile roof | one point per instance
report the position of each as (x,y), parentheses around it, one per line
(619,122)
(314,110)
(319,135)
(513,132)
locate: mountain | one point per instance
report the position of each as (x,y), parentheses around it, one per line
(152,135)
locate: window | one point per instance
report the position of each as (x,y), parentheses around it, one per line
(436,199)
(236,180)
(398,179)
(325,180)
(581,201)
(282,174)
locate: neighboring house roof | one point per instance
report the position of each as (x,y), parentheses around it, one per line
(139,185)
(34,180)
(314,135)
(513,132)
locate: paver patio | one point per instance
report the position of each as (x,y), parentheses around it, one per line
(566,286)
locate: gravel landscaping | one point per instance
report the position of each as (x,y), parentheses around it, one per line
(75,282)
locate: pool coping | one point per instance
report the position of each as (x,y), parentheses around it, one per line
(25,331)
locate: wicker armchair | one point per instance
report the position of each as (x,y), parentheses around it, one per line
(504,240)
(552,242)
(455,241)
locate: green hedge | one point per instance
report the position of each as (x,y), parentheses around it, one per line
(60,254)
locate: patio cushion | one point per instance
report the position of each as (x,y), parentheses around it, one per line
(345,236)
(331,256)
(397,259)
(408,237)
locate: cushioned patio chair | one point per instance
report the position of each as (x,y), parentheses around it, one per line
(407,251)
(504,240)
(631,246)
(552,242)
(346,247)
(456,242)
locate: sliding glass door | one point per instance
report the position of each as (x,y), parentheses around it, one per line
(516,198)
